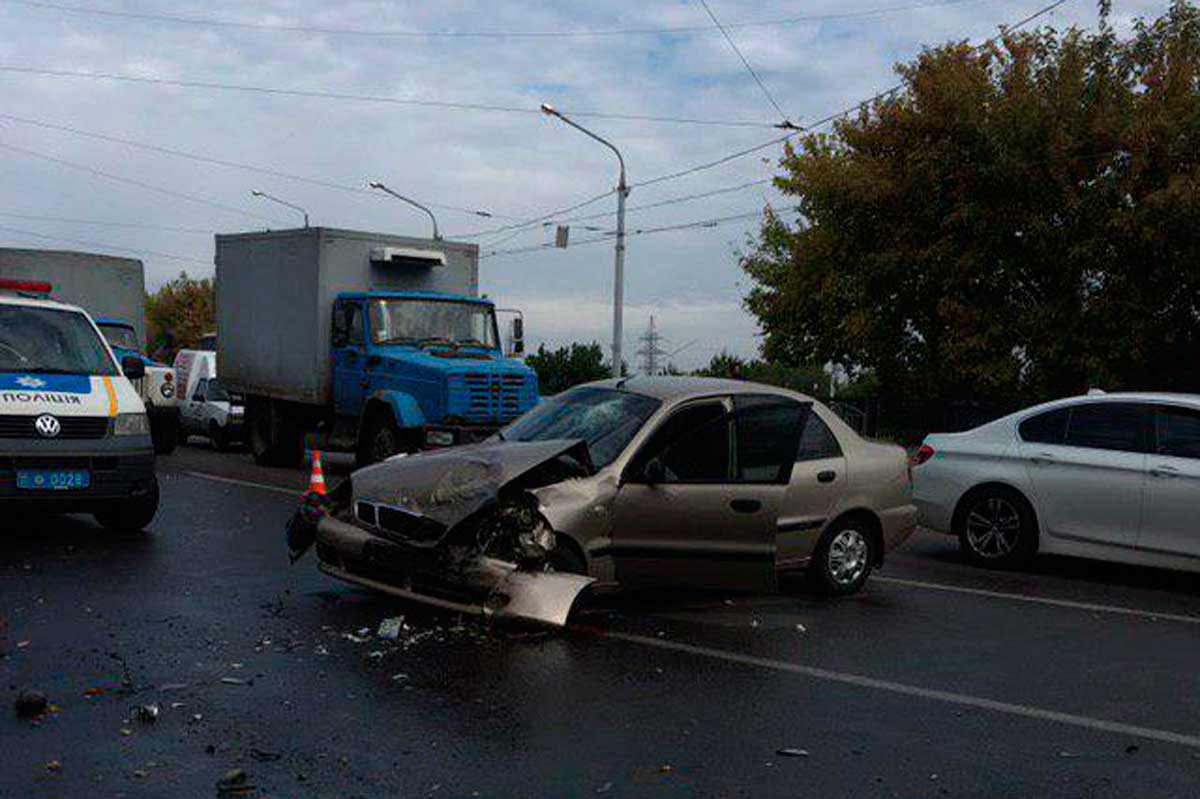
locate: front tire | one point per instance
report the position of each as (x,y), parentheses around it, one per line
(843,559)
(380,439)
(132,515)
(996,528)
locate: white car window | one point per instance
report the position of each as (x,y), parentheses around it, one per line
(1178,432)
(1118,426)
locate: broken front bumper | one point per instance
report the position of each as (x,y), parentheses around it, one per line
(479,585)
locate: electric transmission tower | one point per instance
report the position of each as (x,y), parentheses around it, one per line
(651,349)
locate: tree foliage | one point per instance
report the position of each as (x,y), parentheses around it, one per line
(805,379)
(179,313)
(559,369)
(1019,220)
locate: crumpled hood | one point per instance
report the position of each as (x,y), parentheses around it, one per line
(450,485)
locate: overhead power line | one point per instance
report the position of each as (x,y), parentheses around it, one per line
(106,223)
(766,92)
(103,246)
(140,184)
(537,220)
(377,33)
(328,184)
(669,201)
(371,98)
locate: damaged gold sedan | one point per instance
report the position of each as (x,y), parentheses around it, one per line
(639,482)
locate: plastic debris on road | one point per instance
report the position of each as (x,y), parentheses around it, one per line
(146,714)
(235,782)
(31,704)
(791,752)
(389,629)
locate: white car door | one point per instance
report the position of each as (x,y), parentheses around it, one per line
(1170,521)
(1087,465)
(193,409)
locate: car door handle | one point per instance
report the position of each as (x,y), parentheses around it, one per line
(826,476)
(1042,457)
(1163,470)
(745,505)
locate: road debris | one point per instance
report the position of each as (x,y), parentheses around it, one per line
(234,783)
(389,629)
(789,752)
(197,718)
(358,638)
(800,628)
(146,714)
(605,788)
(265,756)
(234,681)
(31,704)
(54,765)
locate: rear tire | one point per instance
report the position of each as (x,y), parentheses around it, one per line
(996,528)
(134,514)
(843,559)
(271,435)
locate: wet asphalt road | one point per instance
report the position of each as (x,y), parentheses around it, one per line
(938,680)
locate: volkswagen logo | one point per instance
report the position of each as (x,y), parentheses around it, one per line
(47,426)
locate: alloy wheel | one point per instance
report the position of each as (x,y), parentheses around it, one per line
(993,528)
(849,557)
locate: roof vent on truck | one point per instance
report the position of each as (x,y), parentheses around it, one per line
(407,256)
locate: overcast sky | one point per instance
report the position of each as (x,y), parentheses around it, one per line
(515,165)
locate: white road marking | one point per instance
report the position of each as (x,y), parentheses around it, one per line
(949,697)
(292,492)
(1041,600)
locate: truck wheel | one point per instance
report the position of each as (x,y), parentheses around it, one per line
(380,439)
(165,435)
(272,439)
(219,436)
(134,514)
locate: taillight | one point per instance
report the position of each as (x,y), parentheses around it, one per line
(923,454)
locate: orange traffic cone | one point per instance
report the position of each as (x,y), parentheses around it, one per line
(316,483)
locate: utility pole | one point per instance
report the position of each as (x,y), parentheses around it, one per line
(650,350)
(619,265)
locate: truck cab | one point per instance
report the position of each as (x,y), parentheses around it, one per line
(419,369)
(157,388)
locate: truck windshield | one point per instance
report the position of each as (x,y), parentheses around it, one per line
(433,321)
(605,418)
(47,340)
(218,393)
(120,336)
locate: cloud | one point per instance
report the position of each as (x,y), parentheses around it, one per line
(518,165)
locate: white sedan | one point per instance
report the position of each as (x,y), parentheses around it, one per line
(1108,476)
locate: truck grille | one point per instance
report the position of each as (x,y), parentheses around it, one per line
(493,397)
(73,427)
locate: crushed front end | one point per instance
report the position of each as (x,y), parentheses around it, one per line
(457,529)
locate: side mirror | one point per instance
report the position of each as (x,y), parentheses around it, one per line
(133,367)
(518,336)
(653,472)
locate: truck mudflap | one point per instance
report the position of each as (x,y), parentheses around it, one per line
(476,584)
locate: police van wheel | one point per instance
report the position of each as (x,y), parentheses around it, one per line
(133,515)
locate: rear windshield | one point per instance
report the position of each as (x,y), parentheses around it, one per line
(605,418)
(50,341)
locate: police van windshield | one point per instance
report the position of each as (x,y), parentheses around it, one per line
(120,336)
(433,322)
(50,341)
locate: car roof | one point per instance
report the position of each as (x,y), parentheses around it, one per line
(671,387)
(36,302)
(1119,396)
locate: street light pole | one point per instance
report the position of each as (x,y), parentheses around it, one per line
(266,196)
(619,258)
(377,185)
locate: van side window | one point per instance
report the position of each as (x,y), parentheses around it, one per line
(354,321)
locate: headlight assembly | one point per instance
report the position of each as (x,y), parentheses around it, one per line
(131,424)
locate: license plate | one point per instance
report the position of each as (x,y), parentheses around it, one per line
(53,479)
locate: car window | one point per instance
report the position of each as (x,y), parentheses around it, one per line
(818,441)
(1178,432)
(693,445)
(1046,428)
(1107,425)
(198,394)
(354,321)
(767,436)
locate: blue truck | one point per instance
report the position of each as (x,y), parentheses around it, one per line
(362,342)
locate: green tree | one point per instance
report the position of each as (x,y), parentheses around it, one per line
(179,313)
(807,379)
(1017,221)
(559,369)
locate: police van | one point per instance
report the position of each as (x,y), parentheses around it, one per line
(74,436)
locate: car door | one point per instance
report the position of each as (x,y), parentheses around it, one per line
(1169,521)
(1087,465)
(193,409)
(698,504)
(818,480)
(349,358)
